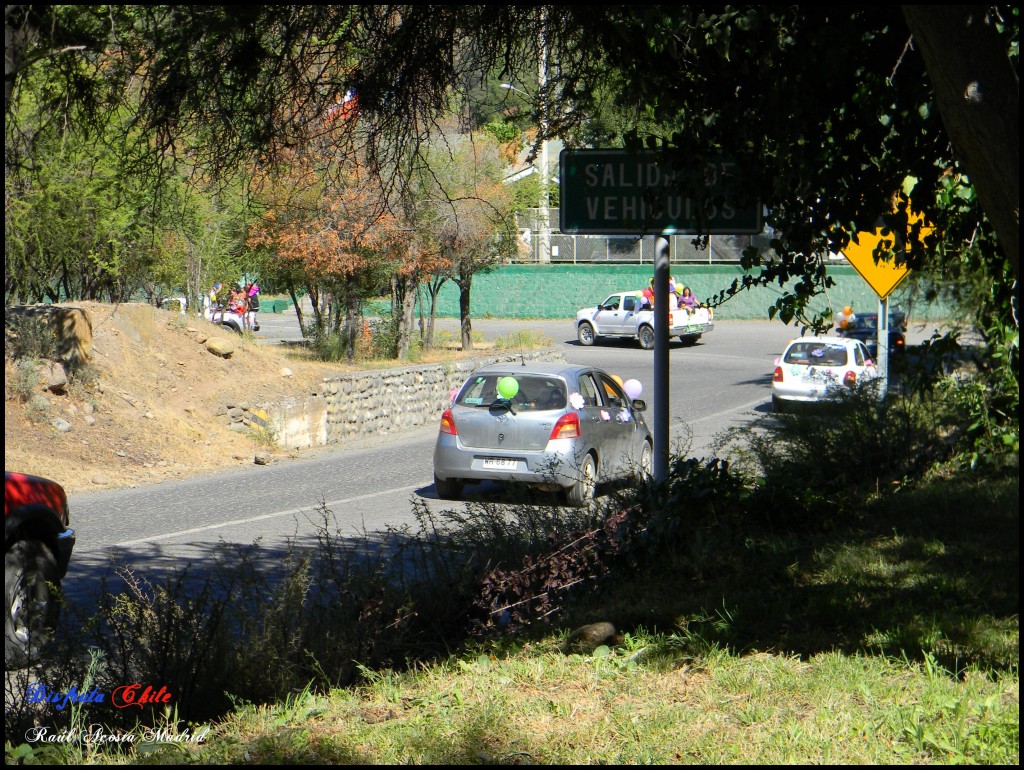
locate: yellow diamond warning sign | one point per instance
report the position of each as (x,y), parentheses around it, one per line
(884,275)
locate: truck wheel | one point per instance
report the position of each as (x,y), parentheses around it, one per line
(448,489)
(30,582)
(646,336)
(689,339)
(585,334)
(580,493)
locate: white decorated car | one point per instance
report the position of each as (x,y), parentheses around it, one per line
(814,369)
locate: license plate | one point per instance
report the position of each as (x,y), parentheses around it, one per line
(817,375)
(500,464)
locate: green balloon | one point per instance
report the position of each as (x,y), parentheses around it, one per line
(508,387)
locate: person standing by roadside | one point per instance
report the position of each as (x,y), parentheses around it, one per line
(252,294)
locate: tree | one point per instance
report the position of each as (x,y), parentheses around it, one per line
(470,212)
(829,109)
(327,232)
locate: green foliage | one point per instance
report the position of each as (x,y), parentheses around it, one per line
(988,405)
(502,132)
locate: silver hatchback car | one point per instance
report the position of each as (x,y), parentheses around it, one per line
(553,426)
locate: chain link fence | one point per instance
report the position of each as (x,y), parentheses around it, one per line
(588,249)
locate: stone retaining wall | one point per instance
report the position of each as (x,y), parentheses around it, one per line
(370,402)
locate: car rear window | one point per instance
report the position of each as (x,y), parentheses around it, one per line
(816,354)
(533,393)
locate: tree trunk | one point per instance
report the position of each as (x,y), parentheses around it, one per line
(433,289)
(298,307)
(353,323)
(407,319)
(403,307)
(314,302)
(976,90)
(465,324)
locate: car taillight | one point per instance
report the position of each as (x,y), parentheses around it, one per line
(568,426)
(777,377)
(850,379)
(448,423)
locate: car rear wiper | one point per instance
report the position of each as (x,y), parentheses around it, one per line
(505,403)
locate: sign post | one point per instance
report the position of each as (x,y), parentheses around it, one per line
(883,276)
(614,192)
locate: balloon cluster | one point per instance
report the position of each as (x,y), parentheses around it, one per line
(632,388)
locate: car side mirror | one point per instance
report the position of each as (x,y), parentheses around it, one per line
(639,404)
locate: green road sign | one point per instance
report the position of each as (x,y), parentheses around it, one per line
(612,192)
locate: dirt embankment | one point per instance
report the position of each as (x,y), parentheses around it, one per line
(145,406)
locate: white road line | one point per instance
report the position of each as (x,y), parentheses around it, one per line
(733,410)
(264,517)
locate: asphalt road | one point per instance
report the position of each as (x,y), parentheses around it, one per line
(369,485)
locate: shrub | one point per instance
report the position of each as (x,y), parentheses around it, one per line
(24,385)
(29,337)
(811,465)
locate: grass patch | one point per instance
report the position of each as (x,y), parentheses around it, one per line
(525,339)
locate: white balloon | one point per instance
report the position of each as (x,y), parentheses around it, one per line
(633,388)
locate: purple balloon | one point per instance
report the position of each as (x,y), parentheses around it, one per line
(633,388)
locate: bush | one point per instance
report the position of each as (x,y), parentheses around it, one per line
(29,337)
(814,464)
(24,385)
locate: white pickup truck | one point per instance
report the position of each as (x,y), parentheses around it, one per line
(620,316)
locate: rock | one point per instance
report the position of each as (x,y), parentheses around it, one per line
(262,458)
(101,479)
(238,427)
(61,424)
(90,420)
(71,327)
(286,372)
(52,376)
(220,346)
(586,639)
(201,337)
